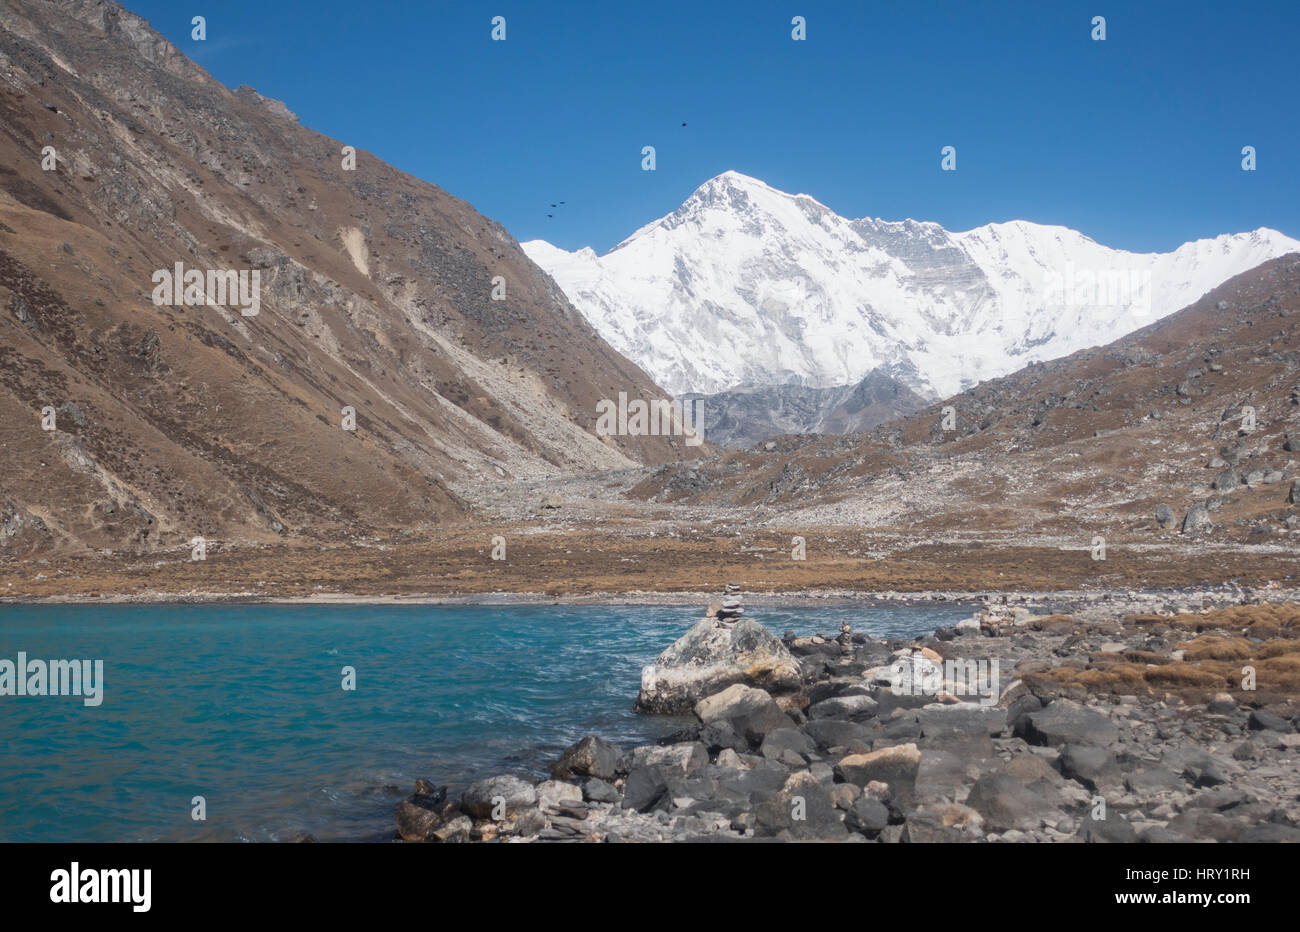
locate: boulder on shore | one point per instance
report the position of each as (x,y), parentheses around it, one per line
(590,757)
(710,657)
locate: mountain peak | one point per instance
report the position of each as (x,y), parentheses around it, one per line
(732,180)
(745,284)
(721,188)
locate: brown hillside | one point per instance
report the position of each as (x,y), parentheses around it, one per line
(376,293)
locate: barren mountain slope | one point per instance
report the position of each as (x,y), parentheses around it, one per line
(376,293)
(742,417)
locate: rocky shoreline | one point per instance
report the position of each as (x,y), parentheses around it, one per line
(1188,598)
(1114,723)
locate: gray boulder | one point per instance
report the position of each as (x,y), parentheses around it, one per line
(850,708)
(829,733)
(781,741)
(1264,720)
(1201,768)
(1198,516)
(1226,481)
(1066,722)
(645,789)
(719,735)
(595,790)
(684,757)
(896,766)
(803,810)
(590,757)
(1113,829)
(1005,803)
(712,656)
(867,815)
(1094,767)
(1206,825)
(750,712)
(961,719)
(482,797)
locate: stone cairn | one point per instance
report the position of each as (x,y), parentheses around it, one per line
(730,610)
(845,640)
(995,616)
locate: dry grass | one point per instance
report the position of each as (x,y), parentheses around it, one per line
(1212,662)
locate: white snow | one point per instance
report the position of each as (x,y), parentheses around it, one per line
(748,285)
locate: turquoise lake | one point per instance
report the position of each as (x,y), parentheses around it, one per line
(244,705)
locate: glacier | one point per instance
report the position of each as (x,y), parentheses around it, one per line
(746,286)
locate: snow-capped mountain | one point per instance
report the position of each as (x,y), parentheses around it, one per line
(745,285)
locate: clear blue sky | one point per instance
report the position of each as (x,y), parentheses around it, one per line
(1135,141)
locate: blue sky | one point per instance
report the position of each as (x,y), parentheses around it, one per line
(1136,141)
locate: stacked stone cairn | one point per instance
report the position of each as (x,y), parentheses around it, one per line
(731,609)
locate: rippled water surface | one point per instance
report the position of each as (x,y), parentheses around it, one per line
(243,705)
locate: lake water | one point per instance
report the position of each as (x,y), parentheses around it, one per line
(244,705)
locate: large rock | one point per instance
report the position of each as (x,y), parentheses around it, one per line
(896,766)
(961,719)
(741,703)
(781,742)
(1198,516)
(1066,722)
(846,708)
(551,794)
(1094,767)
(645,789)
(1201,768)
(1264,720)
(803,810)
(686,756)
(1114,829)
(1005,803)
(590,757)
(829,733)
(867,815)
(755,783)
(482,797)
(712,656)
(416,821)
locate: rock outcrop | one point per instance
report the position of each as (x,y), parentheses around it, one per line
(712,656)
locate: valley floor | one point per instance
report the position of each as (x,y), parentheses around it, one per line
(646,558)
